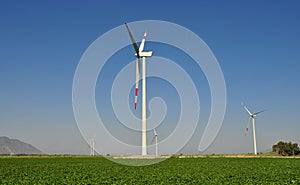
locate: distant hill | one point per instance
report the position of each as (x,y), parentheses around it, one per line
(15,147)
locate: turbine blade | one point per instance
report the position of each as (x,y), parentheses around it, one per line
(259,112)
(143,42)
(245,107)
(137,79)
(136,48)
(139,65)
(247,128)
(153,139)
(154,132)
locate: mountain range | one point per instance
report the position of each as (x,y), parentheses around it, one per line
(16,147)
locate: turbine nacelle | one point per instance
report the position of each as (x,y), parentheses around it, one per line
(144,54)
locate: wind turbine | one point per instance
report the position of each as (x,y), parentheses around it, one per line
(252,116)
(92,147)
(155,137)
(139,53)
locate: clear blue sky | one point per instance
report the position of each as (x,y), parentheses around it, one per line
(256,43)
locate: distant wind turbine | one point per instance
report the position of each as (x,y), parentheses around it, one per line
(155,138)
(252,116)
(92,147)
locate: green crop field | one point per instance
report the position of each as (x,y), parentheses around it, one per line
(97,170)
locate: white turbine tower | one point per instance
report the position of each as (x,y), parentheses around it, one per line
(155,138)
(140,54)
(252,116)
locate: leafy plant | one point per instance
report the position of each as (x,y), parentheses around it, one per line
(98,170)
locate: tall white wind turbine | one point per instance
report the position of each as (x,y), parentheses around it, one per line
(252,116)
(139,53)
(155,138)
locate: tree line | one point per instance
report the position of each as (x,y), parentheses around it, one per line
(286,149)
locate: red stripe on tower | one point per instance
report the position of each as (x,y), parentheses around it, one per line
(136,91)
(134,105)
